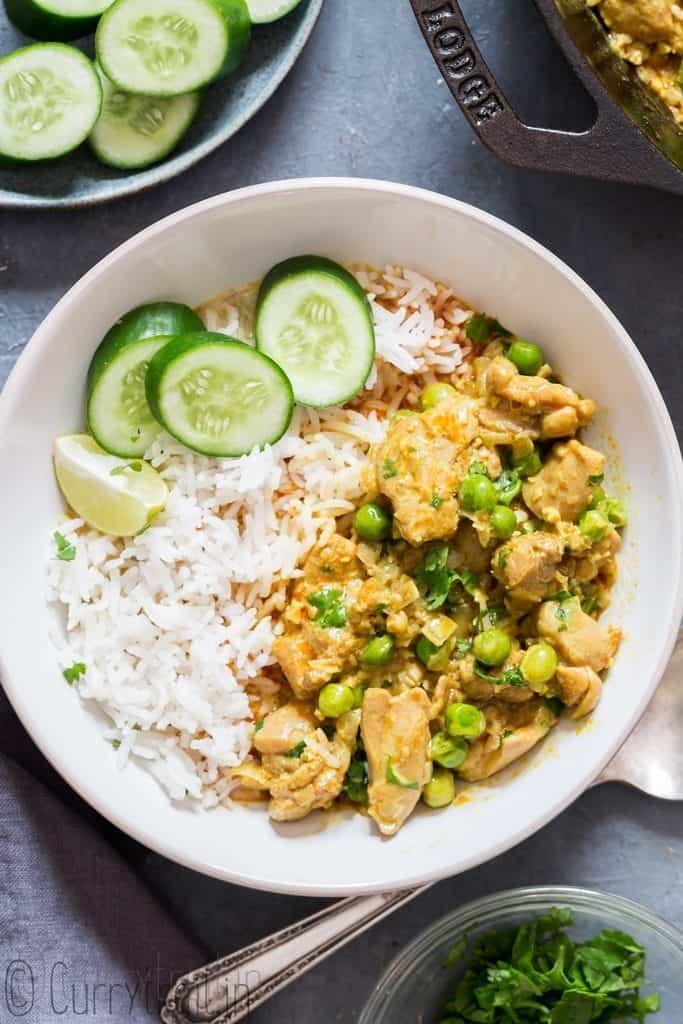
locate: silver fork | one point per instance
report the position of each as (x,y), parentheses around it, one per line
(225,991)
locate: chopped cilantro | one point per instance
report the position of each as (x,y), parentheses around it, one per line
(463,646)
(117,743)
(508,485)
(135,466)
(74,672)
(510,677)
(561,595)
(259,725)
(536,972)
(479,468)
(66,551)
(481,327)
(435,577)
(330,605)
(503,556)
(356,780)
(396,780)
(437,501)
(555,705)
(561,612)
(297,750)
(596,478)
(389,469)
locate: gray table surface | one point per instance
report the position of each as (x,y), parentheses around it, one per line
(365,100)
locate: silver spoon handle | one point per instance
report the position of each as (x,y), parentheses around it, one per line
(225,991)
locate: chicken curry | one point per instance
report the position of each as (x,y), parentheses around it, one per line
(447,625)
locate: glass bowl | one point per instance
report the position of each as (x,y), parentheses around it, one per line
(416,986)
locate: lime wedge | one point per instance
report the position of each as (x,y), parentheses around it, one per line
(114,495)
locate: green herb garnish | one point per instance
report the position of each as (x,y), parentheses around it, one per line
(510,677)
(481,327)
(135,466)
(356,780)
(437,501)
(259,725)
(478,468)
(596,478)
(389,469)
(508,485)
(555,705)
(396,780)
(330,605)
(117,743)
(297,750)
(437,579)
(536,974)
(66,551)
(74,672)
(503,556)
(561,612)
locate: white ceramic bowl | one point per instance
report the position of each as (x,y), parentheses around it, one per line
(235,238)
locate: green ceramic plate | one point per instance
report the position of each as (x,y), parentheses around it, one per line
(78,179)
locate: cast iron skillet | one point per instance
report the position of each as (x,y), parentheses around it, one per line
(634,138)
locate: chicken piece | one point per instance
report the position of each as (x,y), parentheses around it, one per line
(577,638)
(527,567)
(311,656)
(467,550)
(559,423)
(396,737)
(474,688)
(284,728)
(598,559)
(417,468)
(650,21)
(503,426)
(535,394)
(333,563)
(566,483)
(510,733)
(316,778)
(579,687)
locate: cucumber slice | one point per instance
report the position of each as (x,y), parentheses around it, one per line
(136,131)
(119,417)
(55,20)
(264,11)
(162,47)
(236,14)
(217,395)
(50,98)
(314,320)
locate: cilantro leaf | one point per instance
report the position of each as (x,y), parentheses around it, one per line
(135,466)
(389,469)
(66,551)
(297,750)
(356,780)
(74,672)
(437,579)
(510,677)
(481,327)
(329,603)
(259,725)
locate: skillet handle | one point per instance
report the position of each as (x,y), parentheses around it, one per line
(612,149)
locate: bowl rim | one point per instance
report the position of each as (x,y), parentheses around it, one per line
(31,356)
(484,911)
(136,182)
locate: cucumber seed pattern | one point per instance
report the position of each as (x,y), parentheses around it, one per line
(165,45)
(215,400)
(143,114)
(315,338)
(133,399)
(35,100)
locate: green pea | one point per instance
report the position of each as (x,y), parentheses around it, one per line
(434,394)
(435,658)
(539,664)
(440,790)
(477,493)
(614,510)
(503,521)
(598,496)
(593,525)
(371,522)
(465,720)
(378,651)
(492,646)
(335,699)
(402,414)
(449,751)
(527,465)
(527,357)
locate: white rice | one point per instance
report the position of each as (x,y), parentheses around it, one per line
(176,626)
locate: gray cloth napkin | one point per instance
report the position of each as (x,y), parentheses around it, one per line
(81,936)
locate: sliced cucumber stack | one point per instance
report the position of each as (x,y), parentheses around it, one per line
(217,395)
(55,20)
(163,47)
(314,320)
(236,14)
(136,131)
(264,11)
(119,417)
(50,100)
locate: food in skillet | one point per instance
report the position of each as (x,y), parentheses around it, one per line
(649,35)
(402,591)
